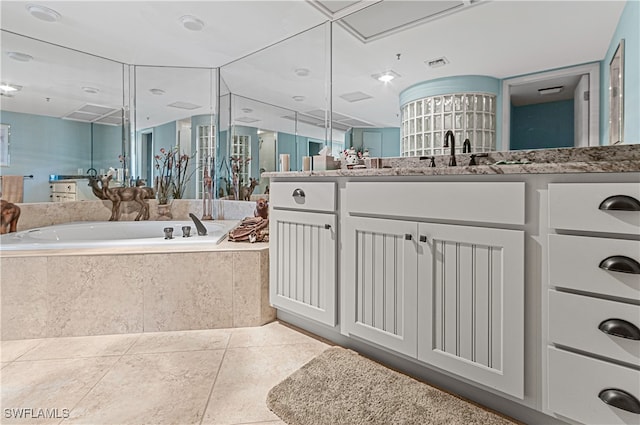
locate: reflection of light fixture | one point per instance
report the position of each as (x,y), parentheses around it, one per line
(22,57)
(298,98)
(91,90)
(8,88)
(157,92)
(247,110)
(43,13)
(386,76)
(191,23)
(302,72)
(550,90)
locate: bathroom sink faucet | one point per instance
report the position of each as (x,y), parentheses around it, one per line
(452,158)
(466,146)
(202,230)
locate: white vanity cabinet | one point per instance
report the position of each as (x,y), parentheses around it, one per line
(450,295)
(593,348)
(70,190)
(303,250)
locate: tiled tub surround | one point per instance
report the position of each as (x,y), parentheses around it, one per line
(116,291)
(48,213)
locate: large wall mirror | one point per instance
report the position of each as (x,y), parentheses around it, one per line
(175,108)
(429,48)
(278,104)
(66,112)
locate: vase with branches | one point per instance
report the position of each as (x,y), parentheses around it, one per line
(173,174)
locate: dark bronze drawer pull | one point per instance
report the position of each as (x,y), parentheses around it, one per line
(423,238)
(327,226)
(620,203)
(408,236)
(298,193)
(620,328)
(620,399)
(621,264)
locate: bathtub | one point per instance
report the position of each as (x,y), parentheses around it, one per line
(107,234)
(98,278)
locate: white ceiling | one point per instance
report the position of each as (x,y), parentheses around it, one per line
(495,38)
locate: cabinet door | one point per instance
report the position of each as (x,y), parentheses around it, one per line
(471,303)
(380,282)
(302,255)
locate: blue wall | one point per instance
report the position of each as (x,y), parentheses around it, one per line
(390,139)
(42,145)
(629,29)
(544,125)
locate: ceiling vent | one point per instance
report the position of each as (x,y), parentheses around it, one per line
(437,63)
(355,96)
(97,114)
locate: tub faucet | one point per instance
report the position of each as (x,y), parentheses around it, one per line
(466,146)
(202,230)
(452,158)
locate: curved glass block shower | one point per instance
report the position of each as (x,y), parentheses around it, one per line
(470,115)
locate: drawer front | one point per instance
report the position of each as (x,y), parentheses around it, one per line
(574,321)
(575,382)
(313,196)
(574,262)
(63,187)
(493,202)
(575,206)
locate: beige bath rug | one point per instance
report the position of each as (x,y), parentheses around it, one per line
(342,387)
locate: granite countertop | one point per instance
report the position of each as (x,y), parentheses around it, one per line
(600,159)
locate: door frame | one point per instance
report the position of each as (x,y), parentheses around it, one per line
(592,69)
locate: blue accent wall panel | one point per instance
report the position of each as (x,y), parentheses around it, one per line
(548,125)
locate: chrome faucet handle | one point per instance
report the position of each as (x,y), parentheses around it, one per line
(186,231)
(168,232)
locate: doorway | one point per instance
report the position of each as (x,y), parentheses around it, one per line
(559,108)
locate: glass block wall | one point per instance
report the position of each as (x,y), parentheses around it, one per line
(470,115)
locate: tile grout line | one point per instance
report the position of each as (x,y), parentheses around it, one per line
(213,384)
(101,378)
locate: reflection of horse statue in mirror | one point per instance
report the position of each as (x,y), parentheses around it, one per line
(117,195)
(9,216)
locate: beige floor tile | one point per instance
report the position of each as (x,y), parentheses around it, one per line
(273,333)
(164,342)
(246,376)
(81,346)
(12,350)
(49,384)
(157,389)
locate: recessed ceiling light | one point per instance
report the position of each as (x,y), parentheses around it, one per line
(22,57)
(386,76)
(247,110)
(302,72)
(191,23)
(91,90)
(43,13)
(8,88)
(157,92)
(550,90)
(299,98)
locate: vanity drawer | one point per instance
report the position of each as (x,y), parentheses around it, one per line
(574,262)
(63,187)
(576,381)
(495,202)
(312,196)
(575,206)
(574,321)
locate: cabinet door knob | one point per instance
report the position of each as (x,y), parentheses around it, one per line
(620,328)
(407,236)
(620,203)
(423,238)
(621,264)
(620,399)
(298,193)
(327,226)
